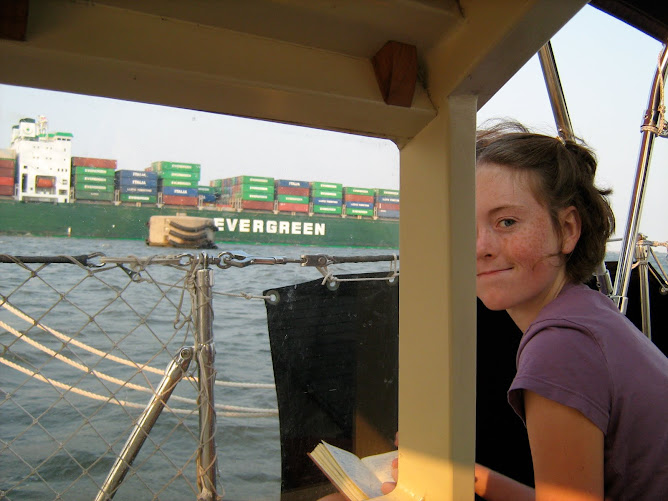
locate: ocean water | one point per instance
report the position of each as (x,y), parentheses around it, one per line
(59,444)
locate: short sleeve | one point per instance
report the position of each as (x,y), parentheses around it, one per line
(567,366)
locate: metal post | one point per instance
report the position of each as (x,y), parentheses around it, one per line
(565,129)
(173,375)
(650,127)
(642,257)
(207,466)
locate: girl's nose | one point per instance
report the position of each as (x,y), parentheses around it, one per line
(484,243)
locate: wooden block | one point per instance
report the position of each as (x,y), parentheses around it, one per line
(395,66)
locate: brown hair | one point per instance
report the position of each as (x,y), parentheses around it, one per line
(562,176)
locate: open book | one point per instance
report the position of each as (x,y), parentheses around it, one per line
(357,479)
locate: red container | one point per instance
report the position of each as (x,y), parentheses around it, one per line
(177,200)
(7,171)
(100,163)
(257,205)
(288,207)
(7,163)
(359,198)
(289,190)
(7,181)
(6,191)
(387,206)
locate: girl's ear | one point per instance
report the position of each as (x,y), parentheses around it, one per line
(571,226)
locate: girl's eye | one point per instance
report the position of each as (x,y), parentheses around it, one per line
(507,223)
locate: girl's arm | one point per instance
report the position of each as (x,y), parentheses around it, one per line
(566,449)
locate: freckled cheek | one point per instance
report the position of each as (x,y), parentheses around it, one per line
(529,248)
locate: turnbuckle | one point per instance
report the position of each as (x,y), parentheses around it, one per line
(240,259)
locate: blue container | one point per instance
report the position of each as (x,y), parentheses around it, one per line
(138,189)
(360,205)
(179,192)
(142,174)
(388,200)
(292,184)
(388,213)
(124,182)
(334,202)
(208,197)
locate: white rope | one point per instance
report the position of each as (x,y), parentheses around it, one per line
(125,384)
(113,399)
(141,368)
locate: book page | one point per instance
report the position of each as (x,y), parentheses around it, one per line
(381,465)
(356,470)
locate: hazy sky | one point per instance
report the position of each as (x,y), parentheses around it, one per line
(606,70)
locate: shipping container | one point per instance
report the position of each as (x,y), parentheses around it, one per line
(177,200)
(394,214)
(328,202)
(288,183)
(261,197)
(179,192)
(352,190)
(253,180)
(319,185)
(7,163)
(388,193)
(289,207)
(256,205)
(389,200)
(136,181)
(251,188)
(94,171)
(206,189)
(94,187)
(326,209)
(326,193)
(292,199)
(359,198)
(385,206)
(136,197)
(359,205)
(359,212)
(102,163)
(7,191)
(208,198)
(138,189)
(180,183)
(163,166)
(7,172)
(286,190)
(93,179)
(136,174)
(93,195)
(6,180)
(190,176)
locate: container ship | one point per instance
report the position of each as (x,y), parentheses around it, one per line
(46,191)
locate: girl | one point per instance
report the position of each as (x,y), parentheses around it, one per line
(591,389)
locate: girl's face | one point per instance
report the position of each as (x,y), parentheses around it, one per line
(520,257)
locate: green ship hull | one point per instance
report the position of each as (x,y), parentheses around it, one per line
(98,220)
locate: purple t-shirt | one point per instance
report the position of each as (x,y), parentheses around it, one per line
(581,352)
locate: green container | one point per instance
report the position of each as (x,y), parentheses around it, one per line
(293,199)
(182,175)
(351,190)
(134,197)
(261,197)
(94,171)
(326,209)
(254,180)
(327,193)
(163,166)
(318,185)
(388,193)
(256,188)
(93,179)
(109,187)
(359,212)
(179,183)
(93,195)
